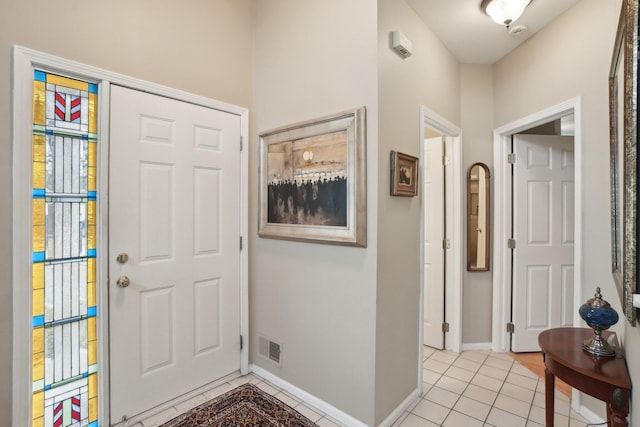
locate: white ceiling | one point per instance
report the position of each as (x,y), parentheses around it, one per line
(472,37)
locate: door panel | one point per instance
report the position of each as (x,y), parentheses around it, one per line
(206,207)
(174,203)
(433,193)
(157,333)
(208,307)
(157,226)
(544,232)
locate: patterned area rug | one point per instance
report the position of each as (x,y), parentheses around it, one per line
(244,406)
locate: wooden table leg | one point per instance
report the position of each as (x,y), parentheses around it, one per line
(549,396)
(616,417)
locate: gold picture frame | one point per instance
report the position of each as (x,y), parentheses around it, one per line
(623,115)
(404,174)
(313,181)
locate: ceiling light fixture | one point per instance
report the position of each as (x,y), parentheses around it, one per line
(504,12)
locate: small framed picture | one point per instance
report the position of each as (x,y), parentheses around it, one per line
(404,174)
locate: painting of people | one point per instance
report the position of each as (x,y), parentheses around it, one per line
(307,181)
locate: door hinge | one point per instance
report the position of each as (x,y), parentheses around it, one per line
(241,342)
(445,327)
(445,160)
(510,328)
(446,244)
(511,243)
(511,158)
(240,242)
(241,142)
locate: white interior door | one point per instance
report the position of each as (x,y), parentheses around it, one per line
(174,209)
(434,233)
(544,233)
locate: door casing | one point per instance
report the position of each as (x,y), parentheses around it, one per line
(24,62)
(454,232)
(500,339)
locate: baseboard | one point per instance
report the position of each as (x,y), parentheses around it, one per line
(587,414)
(328,409)
(475,346)
(590,416)
(406,404)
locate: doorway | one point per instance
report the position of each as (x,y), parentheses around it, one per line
(502,291)
(543,220)
(434,125)
(174,198)
(435,236)
(25,62)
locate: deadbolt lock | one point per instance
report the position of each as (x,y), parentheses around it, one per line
(122,258)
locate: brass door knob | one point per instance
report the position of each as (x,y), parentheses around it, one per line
(123,282)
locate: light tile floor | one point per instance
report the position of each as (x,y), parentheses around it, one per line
(482,388)
(472,388)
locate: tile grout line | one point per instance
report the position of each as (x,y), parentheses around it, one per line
(484,421)
(498,392)
(526,419)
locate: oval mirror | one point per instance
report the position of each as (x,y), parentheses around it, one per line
(478,217)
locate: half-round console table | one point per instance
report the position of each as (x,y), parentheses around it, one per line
(605,378)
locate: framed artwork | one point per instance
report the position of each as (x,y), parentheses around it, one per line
(313,181)
(404,174)
(623,119)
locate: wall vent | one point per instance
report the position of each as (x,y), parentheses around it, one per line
(270,350)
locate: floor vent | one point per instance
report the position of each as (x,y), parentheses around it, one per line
(269,350)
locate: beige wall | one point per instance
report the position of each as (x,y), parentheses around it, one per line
(347,317)
(312,59)
(160,41)
(571,58)
(429,77)
(476,104)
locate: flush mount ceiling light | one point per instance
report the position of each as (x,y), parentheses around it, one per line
(504,12)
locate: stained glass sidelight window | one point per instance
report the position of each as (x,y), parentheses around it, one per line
(64,329)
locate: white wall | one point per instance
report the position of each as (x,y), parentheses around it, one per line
(476,100)
(429,77)
(312,59)
(571,58)
(161,41)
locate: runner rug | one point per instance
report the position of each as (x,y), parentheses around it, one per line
(244,406)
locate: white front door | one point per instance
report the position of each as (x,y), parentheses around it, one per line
(544,233)
(434,233)
(174,210)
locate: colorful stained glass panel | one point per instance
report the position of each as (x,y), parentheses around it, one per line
(64,306)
